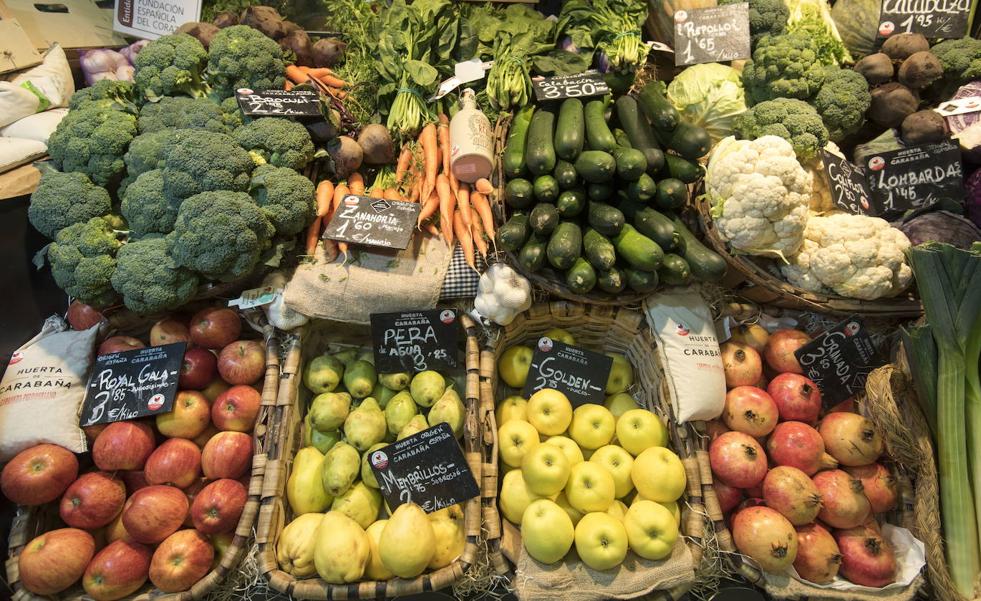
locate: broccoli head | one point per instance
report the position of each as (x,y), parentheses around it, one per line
(842,102)
(171,65)
(242,57)
(794,120)
(286,197)
(233,113)
(92,140)
(961,60)
(83,260)
(202,161)
(146,209)
(146,152)
(181,112)
(110,93)
(148,278)
(220,235)
(766,17)
(279,142)
(783,66)
(63,199)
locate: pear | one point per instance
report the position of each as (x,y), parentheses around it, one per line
(360,378)
(450,540)
(347,356)
(449,408)
(365,425)
(312,437)
(367,474)
(396,381)
(416,424)
(427,387)
(382,395)
(367,355)
(323,374)
(341,466)
(360,503)
(329,410)
(375,569)
(342,549)
(399,411)
(408,542)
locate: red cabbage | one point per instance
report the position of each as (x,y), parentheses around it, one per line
(972,197)
(941,226)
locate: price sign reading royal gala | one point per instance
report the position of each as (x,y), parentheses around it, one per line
(579,374)
(415,340)
(279,103)
(849,189)
(840,360)
(427,469)
(590,83)
(914,177)
(932,18)
(374,222)
(132,384)
(711,35)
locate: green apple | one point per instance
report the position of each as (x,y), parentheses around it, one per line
(590,487)
(639,429)
(560,335)
(651,530)
(549,411)
(620,403)
(659,475)
(601,541)
(592,426)
(618,509)
(513,365)
(513,407)
(545,470)
(323,374)
(515,496)
(514,439)
(572,451)
(547,531)
(618,462)
(574,514)
(621,374)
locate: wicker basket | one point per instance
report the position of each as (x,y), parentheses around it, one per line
(285,439)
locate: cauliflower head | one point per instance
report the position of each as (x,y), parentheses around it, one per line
(759,194)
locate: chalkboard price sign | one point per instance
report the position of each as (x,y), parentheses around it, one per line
(374,222)
(132,384)
(279,103)
(849,188)
(710,35)
(579,374)
(914,177)
(590,83)
(415,341)
(840,360)
(932,18)
(427,469)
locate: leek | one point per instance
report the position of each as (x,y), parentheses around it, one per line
(921,352)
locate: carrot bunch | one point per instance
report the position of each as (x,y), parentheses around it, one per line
(321,77)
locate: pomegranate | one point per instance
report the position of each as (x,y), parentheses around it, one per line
(742,364)
(715,427)
(750,410)
(729,496)
(754,492)
(737,459)
(848,406)
(866,557)
(752,335)
(798,445)
(879,485)
(792,493)
(851,438)
(779,350)
(798,398)
(843,502)
(818,557)
(765,536)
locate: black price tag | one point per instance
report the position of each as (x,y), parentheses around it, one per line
(590,83)
(132,384)
(932,18)
(711,35)
(427,469)
(279,103)
(849,188)
(840,360)
(914,177)
(579,374)
(414,341)
(374,222)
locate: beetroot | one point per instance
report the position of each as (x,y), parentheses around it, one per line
(851,438)
(843,501)
(750,410)
(798,398)
(818,556)
(792,493)
(737,460)
(866,557)
(766,537)
(798,445)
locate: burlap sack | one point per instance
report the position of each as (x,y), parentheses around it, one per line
(375,281)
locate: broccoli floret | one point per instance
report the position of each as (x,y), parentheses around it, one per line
(842,102)
(279,142)
(62,199)
(148,278)
(111,93)
(233,113)
(146,151)
(171,65)
(93,140)
(961,60)
(766,17)
(286,197)
(202,161)
(181,112)
(146,209)
(220,235)
(783,66)
(794,120)
(83,260)
(242,57)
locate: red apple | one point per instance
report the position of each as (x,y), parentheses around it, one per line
(116,530)
(123,446)
(180,561)
(215,388)
(117,571)
(115,344)
(134,481)
(92,501)
(236,409)
(198,369)
(191,492)
(215,327)
(242,362)
(189,417)
(92,432)
(154,513)
(227,455)
(177,461)
(218,506)
(55,560)
(209,432)
(221,543)
(168,331)
(39,474)
(82,316)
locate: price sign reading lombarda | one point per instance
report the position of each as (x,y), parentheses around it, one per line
(840,360)
(590,83)
(415,341)
(711,35)
(279,103)
(932,18)
(914,177)
(579,374)
(374,222)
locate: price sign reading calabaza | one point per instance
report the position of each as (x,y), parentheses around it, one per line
(590,83)
(711,35)
(374,222)
(932,18)
(914,177)
(579,374)
(415,340)
(840,360)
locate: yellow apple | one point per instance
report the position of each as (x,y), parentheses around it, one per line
(545,470)
(515,438)
(620,403)
(617,461)
(515,497)
(601,541)
(547,531)
(568,446)
(592,426)
(513,407)
(560,335)
(549,411)
(671,506)
(513,365)
(590,487)
(621,374)
(651,530)
(639,429)
(659,475)
(618,510)
(574,514)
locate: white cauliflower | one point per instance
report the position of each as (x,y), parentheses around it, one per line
(821,200)
(851,255)
(760,195)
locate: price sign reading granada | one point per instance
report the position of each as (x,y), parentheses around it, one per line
(932,18)
(840,360)
(279,103)
(427,469)
(374,222)
(849,189)
(132,384)
(914,177)
(579,374)
(415,340)
(711,35)
(590,83)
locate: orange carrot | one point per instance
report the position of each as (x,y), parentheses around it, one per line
(484,186)
(317,71)
(392,194)
(427,139)
(466,240)
(356,182)
(447,204)
(334,82)
(463,198)
(339,193)
(429,207)
(337,93)
(478,233)
(287,85)
(482,205)
(325,194)
(313,236)
(444,141)
(296,74)
(431,228)
(402,167)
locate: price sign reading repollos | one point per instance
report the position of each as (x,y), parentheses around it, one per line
(932,18)
(279,103)
(914,177)
(590,83)
(415,341)
(849,188)
(711,35)
(579,374)
(840,360)
(374,222)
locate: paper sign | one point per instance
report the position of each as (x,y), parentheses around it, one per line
(711,35)
(849,188)
(132,384)
(414,341)
(914,177)
(840,360)
(932,18)
(151,19)
(579,374)
(590,83)
(374,222)
(255,297)
(279,103)
(959,106)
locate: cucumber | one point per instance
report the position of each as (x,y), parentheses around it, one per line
(641,281)
(539,152)
(543,219)
(639,132)
(605,219)
(600,192)
(570,130)
(690,141)
(637,249)
(532,255)
(571,203)
(672,194)
(564,246)
(657,108)
(519,193)
(643,189)
(631,163)
(656,226)
(598,250)
(545,188)
(514,150)
(705,265)
(597,131)
(596,166)
(565,174)
(612,280)
(683,169)
(581,277)
(513,234)
(674,270)
(622,138)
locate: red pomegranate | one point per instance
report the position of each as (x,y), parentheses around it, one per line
(750,410)
(848,406)
(765,536)
(798,445)
(866,557)
(780,348)
(843,502)
(729,496)
(818,557)
(737,459)
(792,493)
(798,398)
(715,427)
(879,485)
(851,438)
(742,364)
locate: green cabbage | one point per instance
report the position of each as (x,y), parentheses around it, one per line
(709,95)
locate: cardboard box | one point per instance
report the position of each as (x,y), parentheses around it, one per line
(18,50)
(71,23)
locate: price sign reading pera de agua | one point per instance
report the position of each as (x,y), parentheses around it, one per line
(415,341)
(576,372)
(840,360)
(932,18)
(711,35)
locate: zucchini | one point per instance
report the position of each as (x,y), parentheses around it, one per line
(598,250)
(683,169)
(656,226)
(514,150)
(641,281)
(543,219)
(605,219)
(690,141)
(631,163)
(705,264)
(637,249)
(539,152)
(519,193)
(613,280)
(596,166)
(657,108)
(545,188)
(639,132)
(672,194)
(532,255)
(565,174)
(622,138)
(571,203)
(513,234)
(564,246)
(570,129)
(643,189)
(581,277)
(674,270)
(598,133)
(600,192)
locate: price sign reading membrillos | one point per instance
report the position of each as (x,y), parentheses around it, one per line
(374,222)
(711,35)
(932,18)
(590,83)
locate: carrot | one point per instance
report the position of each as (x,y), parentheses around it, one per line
(447,204)
(337,93)
(313,236)
(466,240)
(484,186)
(339,193)
(402,167)
(333,82)
(431,229)
(429,207)
(287,85)
(325,194)
(392,194)
(444,141)
(296,74)
(427,139)
(478,233)
(356,182)
(342,247)
(317,72)
(482,205)
(463,198)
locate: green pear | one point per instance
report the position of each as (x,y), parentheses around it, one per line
(396,381)
(365,425)
(450,409)
(383,395)
(329,410)
(360,378)
(347,356)
(367,355)
(427,387)
(323,374)
(342,463)
(399,411)
(367,474)
(621,374)
(407,543)
(322,441)
(416,424)
(360,503)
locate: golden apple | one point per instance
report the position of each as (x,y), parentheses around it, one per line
(590,487)
(618,462)
(601,541)
(639,429)
(659,475)
(549,411)
(547,531)
(513,407)
(546,470)
(592,426)
(515,438)
(572,451)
